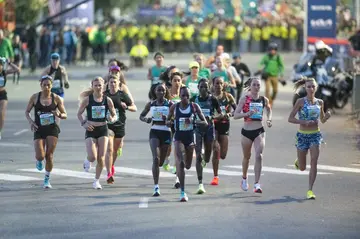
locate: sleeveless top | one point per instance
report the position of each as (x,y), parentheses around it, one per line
(309,111)
(159,112)
(206,106)
(184,119)
(155,74)
(58,82)
(255,105)
(97,111)
(43,114)
(193,86)
(117,98)
(2,79)
(224,106)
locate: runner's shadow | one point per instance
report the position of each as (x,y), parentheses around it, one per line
(240,195)
(285,199)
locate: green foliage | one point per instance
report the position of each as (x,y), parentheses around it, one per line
(124,5)
(27,11)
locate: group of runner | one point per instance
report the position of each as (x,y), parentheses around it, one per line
(188,110)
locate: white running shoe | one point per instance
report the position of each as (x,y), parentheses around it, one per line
(244,184)
(96,185)
(86,165)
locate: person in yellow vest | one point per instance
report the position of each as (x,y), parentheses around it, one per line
(132,31)
(189,31)
(230,32)
(178,32)
(204,38)
(214,37)
(138,54)
(245,36)
(284,36)
(256,38)
(167,38)
(265,36)
(276,34)
(152,36)
(143,31)
(120,36)
(293,36)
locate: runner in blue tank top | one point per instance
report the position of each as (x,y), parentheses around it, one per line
(308,137)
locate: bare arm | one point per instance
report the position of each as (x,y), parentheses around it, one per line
(232,83)
(29,108)
(14,69)
(60,105)
(111,107)
(149,76)
(65,76)
(238,114)
(144,113)
(81,110)
(268,109)
(323,116)
(200,115)
(126,90)
(296,109)
(171,112)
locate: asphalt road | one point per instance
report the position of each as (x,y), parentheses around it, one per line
(73,209)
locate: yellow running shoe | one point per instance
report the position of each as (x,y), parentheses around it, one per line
(166,167)
(296,164)
(119,152)
(310,195)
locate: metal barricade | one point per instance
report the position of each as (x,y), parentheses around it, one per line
(356,95)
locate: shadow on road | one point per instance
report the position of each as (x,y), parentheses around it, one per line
(285,199)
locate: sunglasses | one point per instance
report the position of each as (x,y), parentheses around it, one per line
(47,77)
(114,68)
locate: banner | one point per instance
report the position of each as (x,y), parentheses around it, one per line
(83,15)
(159,12)
(321,19)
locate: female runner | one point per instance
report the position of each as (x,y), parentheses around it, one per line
(250,108)
(160,133)
(182,114)
(203,71)
(205,135)
(46,106)
(222,126)
(3,94)
(122,102)
(221,71)
(308,137)
(96,105)
(192,80)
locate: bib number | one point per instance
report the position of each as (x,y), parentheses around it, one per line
(314,111)
(47,119)
(206,112)
(98,112)
(185,124)
(223,109)
(258,109)
(116,116)
(56,84)
(159,112)
(2,81)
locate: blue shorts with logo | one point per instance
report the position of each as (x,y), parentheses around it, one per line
(305,140)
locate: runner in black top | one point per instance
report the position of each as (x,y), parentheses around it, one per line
(96,105)
(122,102)
(46,106)
(3,93)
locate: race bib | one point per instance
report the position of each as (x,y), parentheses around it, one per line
(156,80)
(2,81)
(158,112)
(206,112)
(116,116)
(185,124)
(98,112)
(193,88)
(47,119)
(314,111)
(223,109)
(56,84)
(258,109)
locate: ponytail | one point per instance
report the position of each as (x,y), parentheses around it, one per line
(89,91)
(247,83)
(302,82)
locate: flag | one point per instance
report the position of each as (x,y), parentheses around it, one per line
(54,8)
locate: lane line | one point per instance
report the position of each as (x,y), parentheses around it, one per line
(16,178)
(144,203)
(65,172)
(21,132)
(278,170)
(145,172)
(336,168)
(221,172)
(14,144)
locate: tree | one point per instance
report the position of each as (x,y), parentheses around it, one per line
(28,11)
(108,5)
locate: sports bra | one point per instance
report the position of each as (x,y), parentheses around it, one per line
(255,105)
(309,111)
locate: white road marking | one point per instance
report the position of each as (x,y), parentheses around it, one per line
(65,172)
(221,172)
(279,170)
(145,172)
(144,203)
(16,178)
(336,168)
(14,144)
(21,132)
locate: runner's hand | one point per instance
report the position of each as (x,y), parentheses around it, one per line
(269,123)
(88,127)
(33,127)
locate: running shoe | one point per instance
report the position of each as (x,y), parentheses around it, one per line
(177,183)
(257,188)
(244,184)
(215,181)
(39,165)
(47,182)
(119,152)
(174,170)
(110,178)
(296,164)
(156,192)
(310,195)
(113,170)
(166,167)
(203,163)
(201,189)
(183,197)
(86,165)
(96,185)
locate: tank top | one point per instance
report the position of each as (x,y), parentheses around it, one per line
(155,73)
(206,106)
(309,111)
(43,114)
(2,79)
(254,105)
(193,86)
(97,111)
(116,99)
(224,106)
(184,119)
(159,112)
(17,50)
(58,84)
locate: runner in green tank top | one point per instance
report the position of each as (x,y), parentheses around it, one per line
(155,71)
(203,72)
(192,80)
(225,74)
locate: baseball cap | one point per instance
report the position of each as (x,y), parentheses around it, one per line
(55,56)
(194,64)
(114,68)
